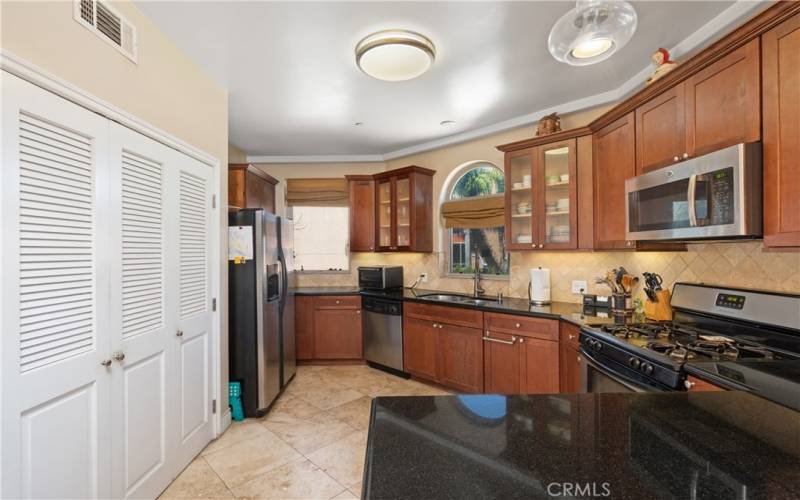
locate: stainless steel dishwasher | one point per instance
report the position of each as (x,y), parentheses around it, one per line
(383,332)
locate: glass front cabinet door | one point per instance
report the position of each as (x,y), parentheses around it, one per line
(385,217)
(558,199)
(541,197)
(521,187)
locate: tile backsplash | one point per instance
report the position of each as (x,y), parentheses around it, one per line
(742,264)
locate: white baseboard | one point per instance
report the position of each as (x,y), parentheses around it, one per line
(226,421)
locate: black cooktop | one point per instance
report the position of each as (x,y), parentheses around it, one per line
(681,342)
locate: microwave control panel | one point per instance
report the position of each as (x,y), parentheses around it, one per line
(722,196)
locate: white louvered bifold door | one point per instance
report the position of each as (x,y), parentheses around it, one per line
(143,330)
(191,203)
(55,391)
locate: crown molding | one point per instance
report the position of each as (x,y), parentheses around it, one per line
(316,159)
(716,27)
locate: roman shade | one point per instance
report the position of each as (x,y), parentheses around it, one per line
(474,213)
(317,192)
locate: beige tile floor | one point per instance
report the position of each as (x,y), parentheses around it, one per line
(310,445)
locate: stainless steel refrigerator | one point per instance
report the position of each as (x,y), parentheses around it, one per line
(288,283)
(256,291)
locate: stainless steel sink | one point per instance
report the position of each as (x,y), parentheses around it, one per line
(445,297)
(461,299)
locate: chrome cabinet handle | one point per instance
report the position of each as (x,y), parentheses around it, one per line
(517,325)
(435,325)
(358,311)
(675,158)
(521,340)
(106,363)
(688,384)
(500,341)
(571,336)
(685,156)
(541,245)
(179,333)
(337,302)
(118,356)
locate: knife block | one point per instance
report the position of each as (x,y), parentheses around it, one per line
(661,310)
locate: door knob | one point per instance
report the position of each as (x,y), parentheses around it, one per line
(118,356)
(179,333)
(106,363)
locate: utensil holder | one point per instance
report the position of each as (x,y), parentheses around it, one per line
(661,310)
(621,304)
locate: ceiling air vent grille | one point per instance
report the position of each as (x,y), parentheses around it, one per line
(108,24)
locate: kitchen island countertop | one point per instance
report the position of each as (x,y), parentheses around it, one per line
(626,445)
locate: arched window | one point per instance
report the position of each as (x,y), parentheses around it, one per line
(472,211)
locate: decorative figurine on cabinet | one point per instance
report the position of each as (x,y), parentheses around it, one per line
(549,124)
(663,65)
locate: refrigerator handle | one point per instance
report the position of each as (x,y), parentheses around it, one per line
(284,278)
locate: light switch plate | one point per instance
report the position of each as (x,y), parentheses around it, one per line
(579,287)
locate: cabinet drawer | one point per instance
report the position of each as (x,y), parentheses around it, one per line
(570,335)
(443,314)
(546,329)
(337,302)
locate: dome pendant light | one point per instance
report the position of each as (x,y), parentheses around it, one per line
(592,31)
(395,55)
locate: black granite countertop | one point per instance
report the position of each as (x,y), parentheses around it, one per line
(574,313)
(678,445)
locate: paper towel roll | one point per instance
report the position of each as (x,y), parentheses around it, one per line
(540,286)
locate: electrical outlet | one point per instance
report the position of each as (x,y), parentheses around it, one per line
(579,287)
(423,277)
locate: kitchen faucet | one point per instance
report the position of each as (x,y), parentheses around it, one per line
(476,286)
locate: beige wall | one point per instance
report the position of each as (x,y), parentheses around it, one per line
(165,89)
(733,264)
(236,155)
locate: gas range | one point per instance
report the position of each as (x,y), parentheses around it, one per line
(710,324)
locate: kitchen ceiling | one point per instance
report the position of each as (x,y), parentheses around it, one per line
(295,89)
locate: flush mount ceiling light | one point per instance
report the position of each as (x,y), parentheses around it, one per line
(395,55)
(592,31)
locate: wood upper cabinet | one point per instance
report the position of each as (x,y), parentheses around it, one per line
(723,102)
(404,210)
(461,358)
(362,213)
(337,327)
(781,79)
(421,348)
(614,162)
(661,130)
(249,187)
(716,107)
(542,196)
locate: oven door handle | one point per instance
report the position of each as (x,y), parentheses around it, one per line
(692,198)
(591,362)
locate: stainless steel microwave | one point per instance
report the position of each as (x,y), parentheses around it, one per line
(715,196)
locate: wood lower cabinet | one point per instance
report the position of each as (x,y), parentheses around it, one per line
(304,326)
(569,358)
(461,358)
(539,366)
(781,86)
(421,348)
(502,364)
(249,187)
(520,354)
(328,327)
(362,213)
(694,384)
